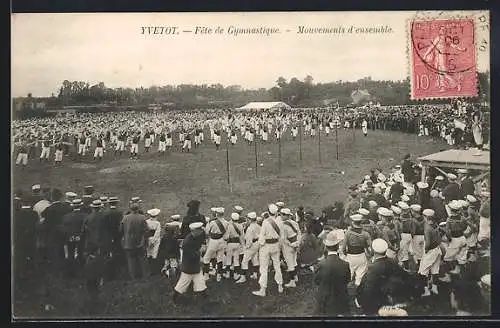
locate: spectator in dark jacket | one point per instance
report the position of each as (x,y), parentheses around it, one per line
(332,278)
(53,215)
(193,215)
(134,231)
(396,192)
(452,191)
(24,238)
(169,252)
(436,204)
(407,169)
(72,227)
(191,264)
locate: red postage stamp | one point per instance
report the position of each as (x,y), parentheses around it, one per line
(442,58)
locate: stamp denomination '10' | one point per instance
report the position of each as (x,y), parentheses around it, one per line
(443,61)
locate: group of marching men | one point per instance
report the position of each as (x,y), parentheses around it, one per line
(190,133)
(120,132)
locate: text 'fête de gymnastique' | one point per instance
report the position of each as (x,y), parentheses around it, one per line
(264,30)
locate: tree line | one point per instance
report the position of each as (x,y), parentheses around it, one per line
(295,92)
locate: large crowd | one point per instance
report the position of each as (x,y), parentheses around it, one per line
(396,240)
(113,133)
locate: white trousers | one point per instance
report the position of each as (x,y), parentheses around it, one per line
(59,155)
(98,152)
(269,252)
(120,145)
(215,248)
(45,152)
(185,280)
(162,146)
(250,254)
(358,264)
(22,158)
(290,256)
(232,254)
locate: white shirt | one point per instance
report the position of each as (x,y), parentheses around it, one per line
(267,231)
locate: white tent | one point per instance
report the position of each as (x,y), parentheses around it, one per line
(265,105)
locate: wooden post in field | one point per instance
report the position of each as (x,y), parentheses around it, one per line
(228,167)
(279,151)
(300,142)
(319,140)
(256,160)
(337,139)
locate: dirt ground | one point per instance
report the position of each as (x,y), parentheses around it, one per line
(168,182)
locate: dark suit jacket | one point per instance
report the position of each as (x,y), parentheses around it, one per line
(191,256)
(467,187)
(439,210)
(383,278)
(53,217)
(452,192)
(332,278)
(133,229)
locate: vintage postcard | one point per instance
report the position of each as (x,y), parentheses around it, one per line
(250,165)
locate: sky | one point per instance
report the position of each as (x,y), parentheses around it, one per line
(109,47)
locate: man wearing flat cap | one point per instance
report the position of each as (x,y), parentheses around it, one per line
(250,249)
(191,271)
(53,215)
(112,218)
(356,247)
(384,283)
(331,278)
(217,231)
(270,238)
(456,251)
(134,231)
(72,227)
(452,190)
(467,186)
(431,260)
(94,249)
(437,204)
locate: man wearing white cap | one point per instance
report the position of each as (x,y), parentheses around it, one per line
(452,190)
(456,251)
(467,186)
(154,238)
(389,231)
(270,238)
(251,249)
(71,226)
(406,237)
(190,264)
(290,246)
(217,231)
(417,233)
(436,204)
(332,277)
(356,245)
(383,283)
(431,260)
(233,248)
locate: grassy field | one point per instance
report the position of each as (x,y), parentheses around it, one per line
(168,182)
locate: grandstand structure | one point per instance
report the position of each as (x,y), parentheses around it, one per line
(266,106)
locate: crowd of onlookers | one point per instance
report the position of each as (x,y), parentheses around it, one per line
(384,231)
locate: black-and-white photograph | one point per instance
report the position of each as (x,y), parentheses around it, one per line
(250,165)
